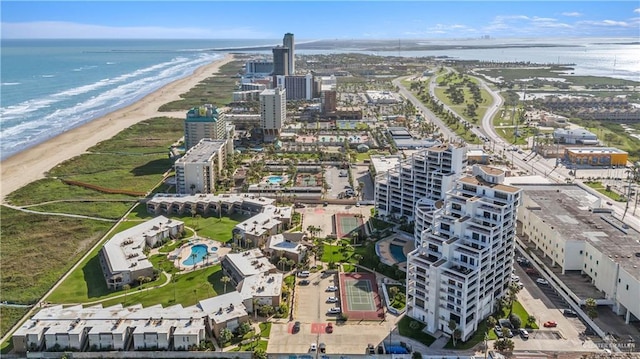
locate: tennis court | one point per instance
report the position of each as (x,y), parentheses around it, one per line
(347,224)
(359,295)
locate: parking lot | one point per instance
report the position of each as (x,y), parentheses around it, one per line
(310,308)
(336,182)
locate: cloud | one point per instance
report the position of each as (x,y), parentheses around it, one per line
(637,11)
(572,14)
(608,23)
(71,30)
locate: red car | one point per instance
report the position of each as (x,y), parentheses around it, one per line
(550,324)
(329,328)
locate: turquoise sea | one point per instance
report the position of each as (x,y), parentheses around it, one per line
(51,86)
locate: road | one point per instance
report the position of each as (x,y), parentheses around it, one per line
(446,131)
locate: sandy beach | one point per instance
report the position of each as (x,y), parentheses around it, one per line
(31,164)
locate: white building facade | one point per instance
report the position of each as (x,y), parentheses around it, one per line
(273,110)
(464,259)
(428,173)
(203,122)
(199,168)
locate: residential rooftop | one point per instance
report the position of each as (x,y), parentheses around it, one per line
(202,151)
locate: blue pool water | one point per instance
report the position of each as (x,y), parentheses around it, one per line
(397,253)
(199,250)
(274,179)
(214,249)
(395,349)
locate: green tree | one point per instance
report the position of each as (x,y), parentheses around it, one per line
(504,344)
(259,353)
(512,295)
(225,279)
(266,310)
(393,291)
(491,321)
(282,262)
(592,308)
(531,320)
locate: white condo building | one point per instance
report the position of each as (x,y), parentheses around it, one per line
(429,173)
(198,169)
(273,110)
(464,259)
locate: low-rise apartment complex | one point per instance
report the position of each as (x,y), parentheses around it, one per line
(122,257)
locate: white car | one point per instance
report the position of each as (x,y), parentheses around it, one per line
(332,300)
(334,310)
(515,278)
(332,288)
(542,281)
(313,347)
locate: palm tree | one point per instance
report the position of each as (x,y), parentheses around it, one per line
(358,258)
(194,256)
(453,326)
(512,295)
(225,279)
(282,261)
(291,263)
(219,210)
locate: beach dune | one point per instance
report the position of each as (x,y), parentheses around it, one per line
(32,164)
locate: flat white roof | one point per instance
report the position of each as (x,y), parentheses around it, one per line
(261,285)
(213,198)
(279,243)
(384,163)
(250,262)
(224,307)
(202,151)
(124,250)
(595,150)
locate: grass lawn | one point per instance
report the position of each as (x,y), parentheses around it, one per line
(10,315)
(336,254)
(519,310)
(265,329)
(379,224)
(476,338)
(170,246)
(51,189)
(187,289)
(399,301)
(99,209)
(213,227)
(602,189)
(251,346)
(38,249)
(414,333)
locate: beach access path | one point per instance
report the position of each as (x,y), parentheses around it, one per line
(32,164)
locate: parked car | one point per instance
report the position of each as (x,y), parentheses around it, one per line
(520,285)
(332,300)
(332,288)
(304,274)
(569,313)
(313,347)
(322,347)
(296,328)
(334,310)
(524,334)
(304,282)
(329,328)
(371,349)
(550,324)
(515,278)
(498,331)
(509,333)
(299,205)
(542,281)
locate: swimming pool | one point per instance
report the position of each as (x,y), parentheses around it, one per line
(274,179)
(213,249)
(397,252)
(200,250)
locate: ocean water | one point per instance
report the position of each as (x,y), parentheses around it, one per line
(51,86)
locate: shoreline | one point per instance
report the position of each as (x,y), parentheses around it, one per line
(31,164)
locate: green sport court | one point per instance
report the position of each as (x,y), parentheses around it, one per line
(346,224)
(359,295)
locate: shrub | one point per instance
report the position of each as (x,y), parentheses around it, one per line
(515,321)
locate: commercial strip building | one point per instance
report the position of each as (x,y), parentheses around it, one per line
(427,173)
(574,136)
(595,156)
(198,170)
(566,226)
(123,259)
(462,262)
(402,139)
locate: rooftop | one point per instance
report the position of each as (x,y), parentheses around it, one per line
(566,209)
(250,262)
(279,242)
(384,163)
(261,285)
(203,151)
(224,307)
(595,150)
(478,181)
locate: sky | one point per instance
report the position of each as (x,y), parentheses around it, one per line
(313,20)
